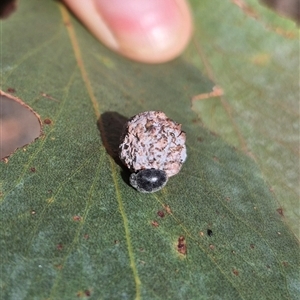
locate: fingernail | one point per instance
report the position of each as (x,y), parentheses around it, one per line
(147,30)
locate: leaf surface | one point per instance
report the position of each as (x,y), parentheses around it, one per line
(73,227)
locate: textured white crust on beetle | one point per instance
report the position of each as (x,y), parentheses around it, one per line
(152,140)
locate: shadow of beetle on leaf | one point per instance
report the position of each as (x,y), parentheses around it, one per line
(111,125)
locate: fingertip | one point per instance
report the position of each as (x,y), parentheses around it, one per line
(152,31)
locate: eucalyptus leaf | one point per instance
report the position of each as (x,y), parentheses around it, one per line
(72,226)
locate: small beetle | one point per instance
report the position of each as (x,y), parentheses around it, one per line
(148,180)
(153,148)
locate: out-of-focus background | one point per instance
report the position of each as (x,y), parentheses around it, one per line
(289,8)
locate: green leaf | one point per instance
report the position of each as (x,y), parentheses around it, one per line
(75,228)
(253,55)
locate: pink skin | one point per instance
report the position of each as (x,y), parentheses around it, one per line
(151,31)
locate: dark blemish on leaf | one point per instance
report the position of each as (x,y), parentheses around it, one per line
(167,209)
(209,232)
(280,211)
(235,272)
(87,293)
(7,7)
(11,90)
(214,133)
(117,242)
(268,267)
(32,169)
(160,213)
(47,121)
(76,218)
(59,246)
(49,97)
(59,267)
(285,263)
(181,246)
(86,236)
(200,140)
(252,246)
(228,199)
(233,252)
(142,249)
(154,223)
(211,247)
(49,191)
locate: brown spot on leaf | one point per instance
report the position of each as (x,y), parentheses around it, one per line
(32,169)
(59,246)
(154,223)
(280,211)
(86,236)
(200,140)
(160,213)
(87,293)
(59,267)
(49,97)
(285,263)
(79,294)
(77,218)
(211,247)
(235,272)
(47,121)
(117,242)
(167,209)
(215,158)
(216,92)
(181,246)
(252,246)
(11,90)
(213,133)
